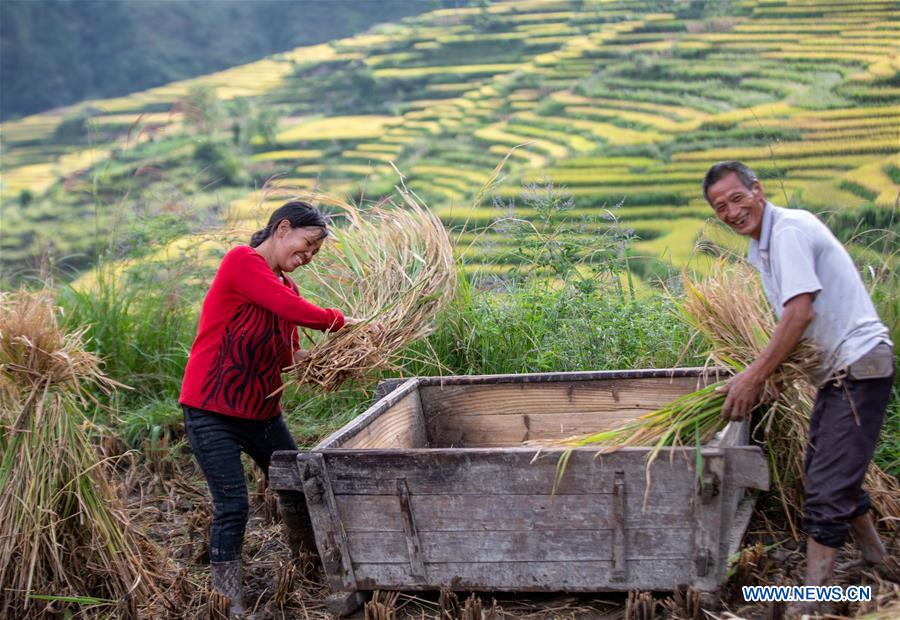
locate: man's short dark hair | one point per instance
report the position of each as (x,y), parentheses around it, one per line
(724,168)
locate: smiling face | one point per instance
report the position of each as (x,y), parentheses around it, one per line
(296,246)
(737,205)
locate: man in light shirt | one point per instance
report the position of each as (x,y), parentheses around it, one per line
(818,295)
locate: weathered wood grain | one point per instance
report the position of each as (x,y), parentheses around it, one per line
(283,472)
(548,545)
(498,513)
(708,521)
(620,538)
(414,547)
(708,375)
(507,471)
(495,430)
(396,503)
(508,414)
(358,424)
(331,540)
(400,426)
(566,576)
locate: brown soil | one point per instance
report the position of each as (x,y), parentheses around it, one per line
(168,499)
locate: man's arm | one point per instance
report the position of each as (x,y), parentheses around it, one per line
(744,388)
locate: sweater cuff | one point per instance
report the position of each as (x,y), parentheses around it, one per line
(338,321)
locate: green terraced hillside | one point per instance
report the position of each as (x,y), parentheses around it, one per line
(619,103)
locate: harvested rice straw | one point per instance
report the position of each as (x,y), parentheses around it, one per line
(63,532)
(887,610)
(729,310)
(392,265)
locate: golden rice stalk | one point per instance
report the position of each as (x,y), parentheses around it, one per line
(728,309)
(392,265)
(63,532)
(887,610)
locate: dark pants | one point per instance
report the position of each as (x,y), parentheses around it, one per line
(217,442)
(843,432)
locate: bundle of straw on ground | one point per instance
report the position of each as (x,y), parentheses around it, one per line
(729,311)
(65,538)
(391,265)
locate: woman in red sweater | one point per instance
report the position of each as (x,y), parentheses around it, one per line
(247,334)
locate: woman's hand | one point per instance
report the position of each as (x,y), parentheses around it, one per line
(300,355)
(351,320)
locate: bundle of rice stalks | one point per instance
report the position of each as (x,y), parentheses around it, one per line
(63,534)
(392,265)
(728,309)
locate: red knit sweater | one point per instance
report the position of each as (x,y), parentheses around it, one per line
(247,334)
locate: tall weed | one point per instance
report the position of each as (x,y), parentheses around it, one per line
(141,321)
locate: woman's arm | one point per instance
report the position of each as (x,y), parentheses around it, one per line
(250,276)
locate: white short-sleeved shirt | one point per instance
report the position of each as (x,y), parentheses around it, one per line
(795,254)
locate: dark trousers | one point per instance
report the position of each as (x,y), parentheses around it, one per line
(217,442)
(843,432)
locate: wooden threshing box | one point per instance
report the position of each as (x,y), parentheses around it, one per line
(431,488)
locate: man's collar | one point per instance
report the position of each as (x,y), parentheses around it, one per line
(765,233)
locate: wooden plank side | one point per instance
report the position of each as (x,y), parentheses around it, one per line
(706,374)
(284,474)
(558,397)
(500,513)
(495,430)
(331,540)
(400,426)
(735,433)
(509,471)
(661,543)
(411,537)
(708,512)
(591,576)
(351,429)
(508,414)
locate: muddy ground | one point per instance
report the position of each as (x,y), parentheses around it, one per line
(168,500)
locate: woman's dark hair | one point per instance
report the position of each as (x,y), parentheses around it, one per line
(298,213)
(724,168)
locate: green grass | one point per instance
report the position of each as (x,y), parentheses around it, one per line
(142,323)
(887,453)
(694,91)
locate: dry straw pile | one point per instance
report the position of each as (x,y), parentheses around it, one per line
(728,309)
(62,530)
(391,265)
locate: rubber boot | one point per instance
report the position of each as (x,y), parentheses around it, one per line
(819,567)
(227,579)
(866,537)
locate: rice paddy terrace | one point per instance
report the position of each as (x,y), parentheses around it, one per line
(616,102)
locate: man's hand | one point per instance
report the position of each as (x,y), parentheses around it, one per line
(743,394)
(745,387)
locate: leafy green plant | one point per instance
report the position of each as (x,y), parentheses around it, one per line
(221,161)
(140,321)
(549,243)
(155,421)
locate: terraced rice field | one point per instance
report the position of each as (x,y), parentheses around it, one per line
(613,102)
